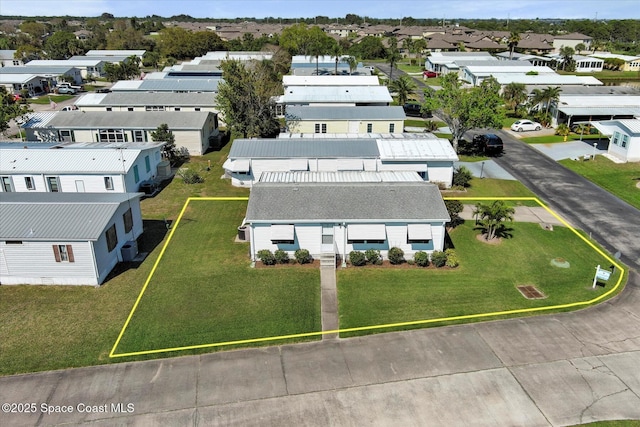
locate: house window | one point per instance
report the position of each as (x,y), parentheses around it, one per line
(67,136)
(321,128)
(127,218)
(177,109)
(139,136)
(147,163)
(112,238)
(369,127)
(136,174)
(111,135)
(109,109)
(625,141)
(153,108)
(28,182)
(197,109)
(108,183)
(13,242)
(52,183)
(392,127)
(7,184)
(129,108)
(63,253)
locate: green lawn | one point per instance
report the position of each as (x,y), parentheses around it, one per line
(552,139)
(204,291)
(484,283)
(617,178)
(45,99)
(489,187)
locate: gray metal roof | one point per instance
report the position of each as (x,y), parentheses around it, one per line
(178,99)
(364,202)
(38,70)
(336,94)
(58,216)
(307,148)
(127,120)
(601,111)
(186,84)
(340,176)
(299,112)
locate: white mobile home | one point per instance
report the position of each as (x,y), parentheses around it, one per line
(196,131)
(337,218)
(624,138)
(431,157)
(147,101)
(355,120)
(336,96)
(79,167)
(66,239)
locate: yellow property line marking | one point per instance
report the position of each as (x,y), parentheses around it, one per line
(113,354)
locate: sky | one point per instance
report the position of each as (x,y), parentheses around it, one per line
(396,9)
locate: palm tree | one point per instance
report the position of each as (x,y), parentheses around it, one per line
(512,42)
(492,217)
(404,86)
(563,130)
(393,56)
(419,46)
(514,94)
(352,61)
(550,95)
(580,47)
(336,52)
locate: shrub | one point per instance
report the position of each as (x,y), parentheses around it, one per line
(190,176)
(357,258)
(266,256)
(411,262)
(303,256)
(373,256)
(282,257)
(452,258)
(396,255)
(454,207)
(461,177)
(438,258)
(421,259)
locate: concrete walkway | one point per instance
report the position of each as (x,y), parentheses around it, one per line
(522,214)
(329,301)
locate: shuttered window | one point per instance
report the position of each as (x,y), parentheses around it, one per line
(127,218)
(63,253)
(112,238)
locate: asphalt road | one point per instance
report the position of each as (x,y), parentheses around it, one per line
(610,221)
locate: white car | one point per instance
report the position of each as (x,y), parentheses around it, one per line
(522,125)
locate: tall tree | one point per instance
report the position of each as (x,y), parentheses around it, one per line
(492,217)
(163,134)
(393,56)
(463,109)
(352,62)
(245,110)
(62,45)
(336,52)
(550,95)
(404,87)
(512,42)
(566,53)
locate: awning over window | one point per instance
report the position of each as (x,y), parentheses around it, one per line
(282,232)
(238,165)
(298,165)
(366,232)
(350,165)
(419,232)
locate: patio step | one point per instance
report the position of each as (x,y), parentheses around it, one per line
(328,260)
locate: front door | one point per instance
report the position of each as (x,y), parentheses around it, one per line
(327,238)
(80,186)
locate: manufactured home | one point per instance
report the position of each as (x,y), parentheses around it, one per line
(65,238)
(337,218)
(355,120)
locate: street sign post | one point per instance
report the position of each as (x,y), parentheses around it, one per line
(600,275)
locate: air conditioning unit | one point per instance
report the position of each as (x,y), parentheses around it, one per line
(129,250)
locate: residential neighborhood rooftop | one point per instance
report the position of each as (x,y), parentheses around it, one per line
(307,112)
(404,201)
(202,99)
(118,119)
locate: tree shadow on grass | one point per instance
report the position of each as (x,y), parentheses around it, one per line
(153,235)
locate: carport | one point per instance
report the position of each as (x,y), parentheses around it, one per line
(571,115)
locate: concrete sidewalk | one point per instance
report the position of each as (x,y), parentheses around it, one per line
(522,214)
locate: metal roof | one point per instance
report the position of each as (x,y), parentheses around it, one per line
(82,62)
(600,100)
(629,126)
(545,79)
(168,85)
(16,78)
(416,149)
(87,160)
(601,111)
(300,112)
(336,94)
(330,81)
(58,216)
(504,67)
(124,120)
(307,148)
(38,70)
(103,58)
(115,52)
(340,176)
(354,202)
(178,99)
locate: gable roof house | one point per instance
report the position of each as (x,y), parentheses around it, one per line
(7,58)
(147,101)
(431,157)
(79,167)
(194,131)
(49,75)
(631,63)
(337,218)
(89,67)
(571,40)
(66,239)
(336,96)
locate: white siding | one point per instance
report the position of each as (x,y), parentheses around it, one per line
(35,263)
